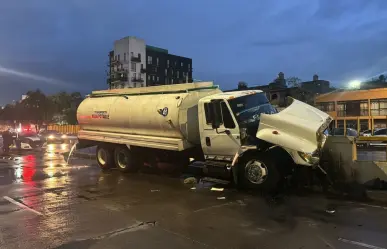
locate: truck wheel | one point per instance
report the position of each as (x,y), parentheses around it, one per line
(104,156)
(124,160)
(259,172)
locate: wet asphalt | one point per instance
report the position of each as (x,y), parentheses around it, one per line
(47,203)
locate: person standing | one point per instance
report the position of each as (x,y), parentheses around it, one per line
(7,140)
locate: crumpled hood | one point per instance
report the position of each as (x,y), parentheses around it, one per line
(297,127)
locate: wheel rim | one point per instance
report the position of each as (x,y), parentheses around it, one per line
(256,172)
(122,159)
(102,156)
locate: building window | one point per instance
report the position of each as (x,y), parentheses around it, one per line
(167,63)
(142,66)
(139,56)
(172,72)
(134,75)
(379,107)
(118,56)
(157,61)
(149,60)
(171,81)
(181,64)
(153,77)
(133,67)
(175,63)
(326,106)
(189,66)
(177,74)
(166,72)
(124,56)
(131,54)
(148,77)
(158,79)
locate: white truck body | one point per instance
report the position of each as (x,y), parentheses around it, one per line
(175,118)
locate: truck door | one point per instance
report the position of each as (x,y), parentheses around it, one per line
(223,142)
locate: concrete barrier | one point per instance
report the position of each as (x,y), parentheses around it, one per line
(73,129)
(339,159)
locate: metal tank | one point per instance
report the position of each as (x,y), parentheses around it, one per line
(161,111)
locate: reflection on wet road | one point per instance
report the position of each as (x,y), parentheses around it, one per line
(46,203)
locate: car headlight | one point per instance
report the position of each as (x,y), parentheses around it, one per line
(310,158)
(64,136)
(51,137)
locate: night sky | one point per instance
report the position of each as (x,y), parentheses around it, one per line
(63,45)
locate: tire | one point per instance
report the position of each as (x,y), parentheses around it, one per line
(259,172)
(104,156)
(124,160)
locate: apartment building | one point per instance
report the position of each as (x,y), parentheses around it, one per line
(358,109)
(132,63)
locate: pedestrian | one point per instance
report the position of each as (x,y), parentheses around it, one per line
(7,140)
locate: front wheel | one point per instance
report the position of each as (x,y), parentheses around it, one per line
(259,172)
(104,155)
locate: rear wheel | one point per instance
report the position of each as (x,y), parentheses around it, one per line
(259,172)
(104,155)
(124,160)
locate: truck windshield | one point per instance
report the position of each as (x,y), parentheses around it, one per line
(248,109)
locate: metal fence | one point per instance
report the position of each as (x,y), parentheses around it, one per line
(72,129)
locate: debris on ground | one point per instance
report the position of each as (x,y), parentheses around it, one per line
(193,188)
(217,189)
(190,180)
(155,190)
(221,198)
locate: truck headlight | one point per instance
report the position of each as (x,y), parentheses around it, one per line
(310,158)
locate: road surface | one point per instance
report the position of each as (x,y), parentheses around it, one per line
(46,203)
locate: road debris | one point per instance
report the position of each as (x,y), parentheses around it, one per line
(190,180)
(221,198)
(217,189)
(155,190)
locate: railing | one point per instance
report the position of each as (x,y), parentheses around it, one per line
(135,59)
(70,129)
(343,113)
(137,80)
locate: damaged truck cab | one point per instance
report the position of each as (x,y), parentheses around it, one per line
(236,134)
(259,144)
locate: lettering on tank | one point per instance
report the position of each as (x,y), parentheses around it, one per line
(100,115)
(163,112)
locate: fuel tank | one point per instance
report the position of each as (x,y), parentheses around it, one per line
(160,111)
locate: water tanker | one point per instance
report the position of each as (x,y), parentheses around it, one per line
(239,134)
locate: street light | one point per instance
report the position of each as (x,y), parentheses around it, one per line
(354,84)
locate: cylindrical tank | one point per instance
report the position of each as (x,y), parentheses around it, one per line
(171,115)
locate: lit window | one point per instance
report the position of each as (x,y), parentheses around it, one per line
(149,60)
(181,64)
(166,71)
(157,61)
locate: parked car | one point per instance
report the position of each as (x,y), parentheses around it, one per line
(366,133)
(340,132)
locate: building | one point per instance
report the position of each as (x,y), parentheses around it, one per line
(278,91)
(132,63)
(363,109)
(316,86)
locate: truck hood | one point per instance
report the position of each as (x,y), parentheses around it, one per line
(298,127)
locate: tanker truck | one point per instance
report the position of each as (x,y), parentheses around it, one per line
(237,134)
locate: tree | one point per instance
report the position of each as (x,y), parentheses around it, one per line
(293,81)
(242,85)
(382,78)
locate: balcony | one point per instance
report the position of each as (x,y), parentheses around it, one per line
(135,58)
(117,77)
(137,80)
(346,113)
(143,70)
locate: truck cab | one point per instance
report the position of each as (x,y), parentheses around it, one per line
(242,131)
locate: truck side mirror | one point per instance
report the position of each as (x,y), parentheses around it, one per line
(215,113)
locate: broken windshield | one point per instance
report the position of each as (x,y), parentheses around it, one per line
(248,109)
